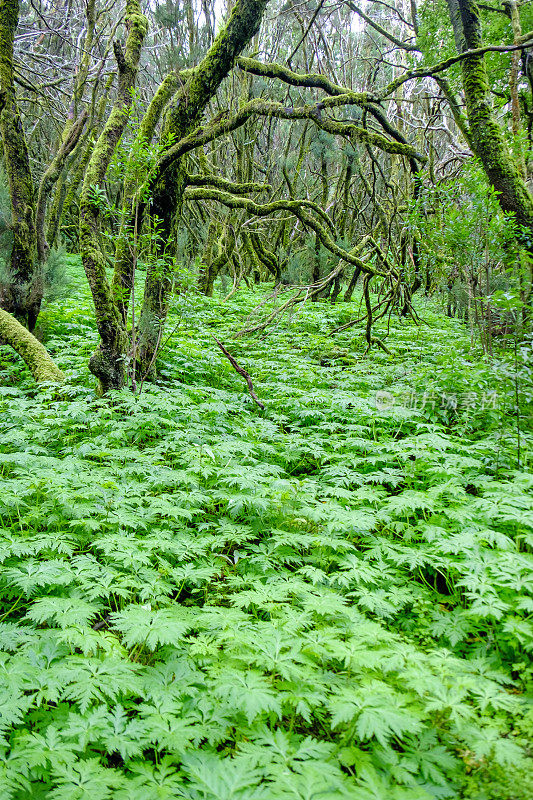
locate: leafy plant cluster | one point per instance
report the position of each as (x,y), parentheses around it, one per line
(488,283)
(329,599)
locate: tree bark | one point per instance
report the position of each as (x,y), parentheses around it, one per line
(486,135)
(109,362)
(124,272)
(23,293)
(30,349)
(182,119)
(48,179)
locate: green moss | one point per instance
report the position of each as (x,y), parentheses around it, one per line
(309,79)
(486,135)
(24,292)
(300,209)
(30,349)
(108,363)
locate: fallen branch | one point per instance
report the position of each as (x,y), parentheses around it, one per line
(242,372)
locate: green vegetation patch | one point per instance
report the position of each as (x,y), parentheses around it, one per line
(328,599)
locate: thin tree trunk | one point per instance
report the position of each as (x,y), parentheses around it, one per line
(50,176)
(351,286)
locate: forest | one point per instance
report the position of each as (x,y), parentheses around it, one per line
(266,400)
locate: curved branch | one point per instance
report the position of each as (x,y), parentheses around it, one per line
(344,96)
(311,80)
(428,72)
(296,207)
(267,108)
(30,349)
(411,48)
(258,209)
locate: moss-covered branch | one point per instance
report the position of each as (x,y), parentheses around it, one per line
(310,80)
(442,66)
(297,207)
(30,349)
(344,96)
(187,106)
(268,108)
(276,205)
(168,86)
(48,179)
(225,185)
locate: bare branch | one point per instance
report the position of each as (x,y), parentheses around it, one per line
(242,372)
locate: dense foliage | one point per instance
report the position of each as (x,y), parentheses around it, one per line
(328,599)
(279,545)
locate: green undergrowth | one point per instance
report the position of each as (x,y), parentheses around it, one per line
(328,599)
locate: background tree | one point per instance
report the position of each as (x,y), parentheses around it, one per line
(302,163)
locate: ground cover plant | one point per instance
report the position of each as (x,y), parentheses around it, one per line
(327,599)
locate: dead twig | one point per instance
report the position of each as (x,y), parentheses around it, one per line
(242,372)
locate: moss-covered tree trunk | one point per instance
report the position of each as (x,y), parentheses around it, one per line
(125,256)
(486,135)
(109,362)
(22,293)
(183,116)
(207,256)
(30,349)
(351,286)
(266,257)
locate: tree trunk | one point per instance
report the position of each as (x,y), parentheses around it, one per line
(49,178)
(207,257)
(315,277)
(109,362)
(182,118)
(125,257)
(351,286)
(23,294)
(267,258)
(336,288)
(486,136)
(29,349)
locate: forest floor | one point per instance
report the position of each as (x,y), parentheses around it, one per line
(327,599)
